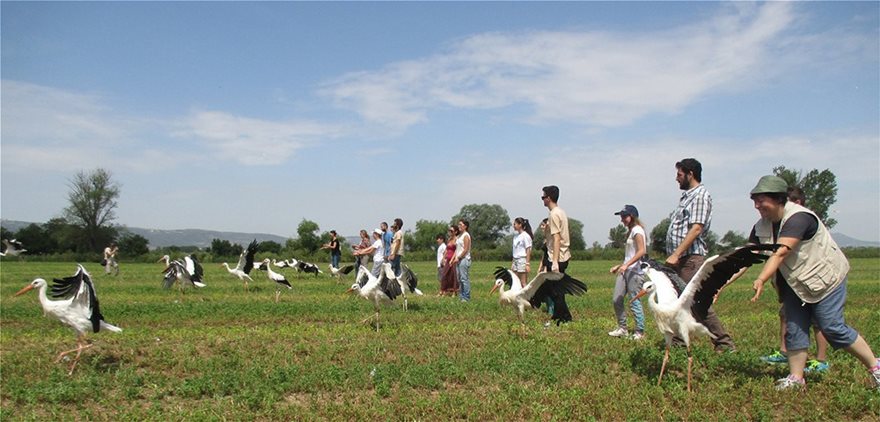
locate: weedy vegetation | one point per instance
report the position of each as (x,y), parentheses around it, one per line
(222,353)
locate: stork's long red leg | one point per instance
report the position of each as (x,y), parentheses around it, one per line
(663,367)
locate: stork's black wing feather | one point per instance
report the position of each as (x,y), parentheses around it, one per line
(249,257)
(346,269)
(677,282)
(409,278)
(567,285)
(390,287)
(79,287)
(198,272)
(717,271)
(503,274)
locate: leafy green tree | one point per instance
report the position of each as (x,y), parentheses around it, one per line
(308,238)
(617,236)
(488,223)
(575,233)
(92,200)
(35,239)
(270,246)
(658,236)
(222,247)
(63,234)
(820,188)
(426,232)
(131,244)
(732,239)
(6,234)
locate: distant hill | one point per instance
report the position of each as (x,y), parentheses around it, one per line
(845,241)
(185,237)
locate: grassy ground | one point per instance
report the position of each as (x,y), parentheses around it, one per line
(221,353)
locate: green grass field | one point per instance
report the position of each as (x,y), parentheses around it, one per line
(221,353)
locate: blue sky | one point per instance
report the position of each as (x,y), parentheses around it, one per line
(253,116)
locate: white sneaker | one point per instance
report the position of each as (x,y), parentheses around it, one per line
(637,336)
(619,332)
(791,382)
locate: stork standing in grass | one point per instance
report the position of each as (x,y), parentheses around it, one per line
(77,308)
(245,264)
(544,285)
(279,279)
(673,312)
(378,290)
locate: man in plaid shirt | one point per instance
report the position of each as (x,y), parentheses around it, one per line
(686,238)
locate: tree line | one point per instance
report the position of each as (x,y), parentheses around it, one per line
(86,227)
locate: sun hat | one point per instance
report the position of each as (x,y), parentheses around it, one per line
(377,231)
(770,184)
(628,210)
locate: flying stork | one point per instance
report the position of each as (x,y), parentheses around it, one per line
(277,278)
(279,264)
(13,248)
(534,293)
(245,264)
(187,272)
(377,290)
(674,312)
(77,308)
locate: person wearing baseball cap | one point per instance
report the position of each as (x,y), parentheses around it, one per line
(810,269)
(630,274)
(377,249)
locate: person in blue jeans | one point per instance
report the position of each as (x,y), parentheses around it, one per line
(630,274)
(335,251)
(462,260)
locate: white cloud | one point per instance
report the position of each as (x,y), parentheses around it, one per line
(252,141)
(591,78)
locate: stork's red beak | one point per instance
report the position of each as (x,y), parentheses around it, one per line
(638,296)
(26,289)
(349,290)
(494,287)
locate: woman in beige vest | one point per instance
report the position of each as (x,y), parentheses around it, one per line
(810,271)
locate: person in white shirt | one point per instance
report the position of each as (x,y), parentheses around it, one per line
(630,274)
(110,259)
(462,260)
(441,254)
(522,249)
(378,251)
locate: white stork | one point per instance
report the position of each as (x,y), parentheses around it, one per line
(277,278)
(408,281)
(245,264)
(339,272)
(77,308)
(279,264)
(674,313)
(308,267)
(377,290)
(544,285)
(13,248)
(187,272)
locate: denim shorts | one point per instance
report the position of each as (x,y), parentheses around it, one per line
(519,265)
(828,315)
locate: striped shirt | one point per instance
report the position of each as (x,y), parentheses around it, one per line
(695,207)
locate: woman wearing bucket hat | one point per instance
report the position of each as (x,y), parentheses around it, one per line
(811,273)
(629,274)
